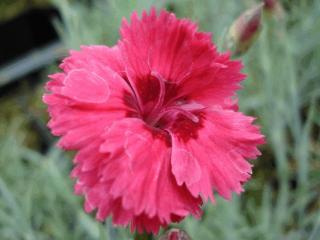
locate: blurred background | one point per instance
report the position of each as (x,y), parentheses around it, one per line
(282,90)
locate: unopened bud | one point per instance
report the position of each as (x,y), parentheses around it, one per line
(175,234)
(273,7)
(244,30)
(269,4)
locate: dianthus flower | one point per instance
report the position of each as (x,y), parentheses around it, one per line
(153,123)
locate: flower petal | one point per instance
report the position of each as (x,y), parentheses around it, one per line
(84,86)
(157,43)
(89,56)
(82,103)
(151,190)
(216,152)
(173,49)
(214,78)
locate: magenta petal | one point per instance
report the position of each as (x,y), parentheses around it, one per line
(215,80)
(117,184)
(89,56)
(83,102)
(185,162)
(217,158)
(84,86)
(174,49)
(158,42)
(126,168)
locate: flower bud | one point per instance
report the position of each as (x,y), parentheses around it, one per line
(175,234)
(273,7)
(244,30)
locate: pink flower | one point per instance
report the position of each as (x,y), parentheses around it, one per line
(153,122)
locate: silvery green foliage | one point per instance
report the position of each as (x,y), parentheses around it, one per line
(95,22)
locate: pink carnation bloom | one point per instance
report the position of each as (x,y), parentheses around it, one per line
(153,122)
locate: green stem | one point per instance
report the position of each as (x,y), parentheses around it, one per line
(142,236)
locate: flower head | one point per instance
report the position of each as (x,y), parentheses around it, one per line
(153,122)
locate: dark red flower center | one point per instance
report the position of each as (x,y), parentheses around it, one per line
(159,103)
